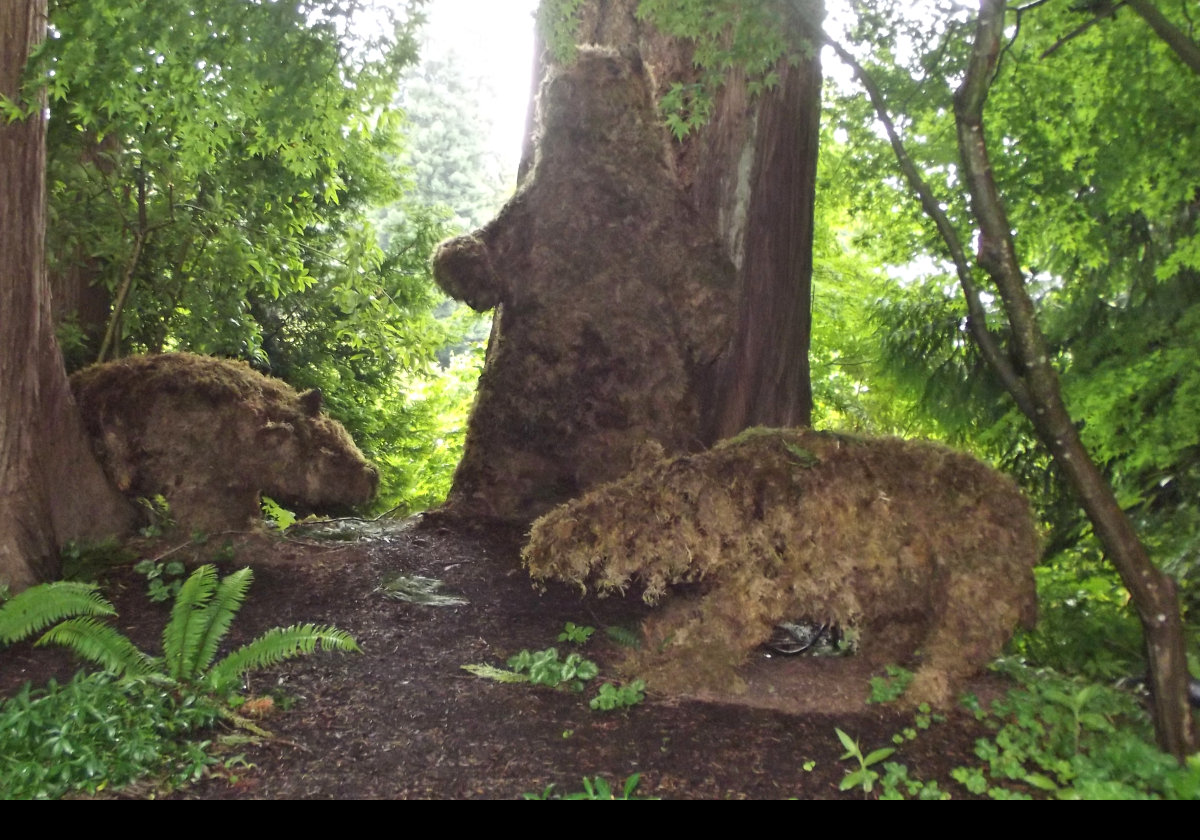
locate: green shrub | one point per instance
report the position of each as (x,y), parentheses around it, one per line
(1071,739)
(96,732)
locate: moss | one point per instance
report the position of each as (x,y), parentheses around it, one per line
(915,544)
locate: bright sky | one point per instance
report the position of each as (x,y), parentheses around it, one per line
(494,40)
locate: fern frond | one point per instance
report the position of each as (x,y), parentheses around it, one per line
(100,643)
(215,620)
(40,606)
(491,672)
(275,646)
(184,631)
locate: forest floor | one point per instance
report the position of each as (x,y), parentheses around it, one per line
(403,719)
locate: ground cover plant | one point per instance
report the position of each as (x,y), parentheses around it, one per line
(141,714)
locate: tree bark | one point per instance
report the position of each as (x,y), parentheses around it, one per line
(1153,593)
(51,487)
(750,173)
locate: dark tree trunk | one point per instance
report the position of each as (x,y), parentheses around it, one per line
(645,290)
(750,173)
(51,488)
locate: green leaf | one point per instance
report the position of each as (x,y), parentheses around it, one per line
(878,755)
(277,645)
(40,606)
(498,674)
(101,644)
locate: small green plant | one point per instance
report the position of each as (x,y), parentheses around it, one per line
(541,667)
(595,789)
(224,554)
(575,634)
(613,696)
(865,775)
(891,687)
(624,637)
(545,668)
(896,784)
(88,559)
(1070,739)
(158,514)
(163,579)
(276,515)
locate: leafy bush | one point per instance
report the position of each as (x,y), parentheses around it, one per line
(1073,740)
(97,732)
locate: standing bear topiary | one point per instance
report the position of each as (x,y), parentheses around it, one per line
(613,301)
(925,551)
(212,435)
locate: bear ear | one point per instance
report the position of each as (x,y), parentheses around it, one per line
(311,402)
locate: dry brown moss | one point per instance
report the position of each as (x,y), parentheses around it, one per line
(922,548)
(211,435)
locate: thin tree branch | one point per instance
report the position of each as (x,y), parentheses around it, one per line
(1184,47)
(976,313)
(1104,11)
(1153,593)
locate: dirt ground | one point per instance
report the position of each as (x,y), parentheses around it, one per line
(404,720)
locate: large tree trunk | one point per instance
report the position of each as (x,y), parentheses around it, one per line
(750,174)
(645,290)
(51,488)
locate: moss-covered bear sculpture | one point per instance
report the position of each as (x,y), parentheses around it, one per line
(211,435)
(922,549)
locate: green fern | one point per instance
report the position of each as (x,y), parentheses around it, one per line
(182,635)
(41,606)
(275,646)
(100,643)
(200,618)
(230,594)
